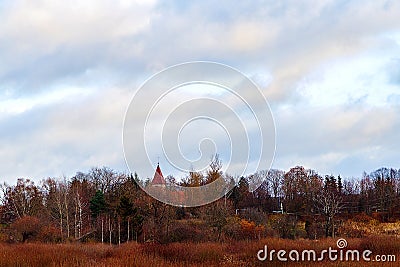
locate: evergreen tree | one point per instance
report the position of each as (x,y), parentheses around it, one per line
(339,184)
(97,204)
(130,216)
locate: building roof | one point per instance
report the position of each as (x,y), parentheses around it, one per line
(158,178)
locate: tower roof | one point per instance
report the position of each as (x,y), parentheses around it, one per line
(158,178)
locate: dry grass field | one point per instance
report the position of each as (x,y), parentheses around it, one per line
(187,254)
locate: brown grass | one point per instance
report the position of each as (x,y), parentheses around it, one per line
(241,253)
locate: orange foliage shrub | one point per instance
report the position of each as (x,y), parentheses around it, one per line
(362,225)
(243,229)
(26,227)
(49,234)
(362,217)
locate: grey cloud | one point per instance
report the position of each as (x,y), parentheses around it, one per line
(290,40)
(64,137)
(54,42)
(45,45)
(341,134)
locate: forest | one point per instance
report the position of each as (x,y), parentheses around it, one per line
(105,206)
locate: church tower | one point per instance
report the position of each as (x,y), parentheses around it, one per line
(158,179)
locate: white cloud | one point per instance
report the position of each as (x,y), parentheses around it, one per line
(12,106)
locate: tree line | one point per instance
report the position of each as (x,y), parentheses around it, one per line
(104,205)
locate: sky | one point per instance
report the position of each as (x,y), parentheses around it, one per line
(330,71)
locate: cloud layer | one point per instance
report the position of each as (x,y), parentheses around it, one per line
(330,70)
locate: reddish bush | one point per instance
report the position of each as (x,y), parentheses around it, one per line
(240,229)
(26,228)
(49,234)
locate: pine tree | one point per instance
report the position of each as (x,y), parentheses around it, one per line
(97,204)
(339,184)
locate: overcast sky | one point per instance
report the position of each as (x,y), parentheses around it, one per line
(68,69)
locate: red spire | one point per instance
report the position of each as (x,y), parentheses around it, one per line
(158,178)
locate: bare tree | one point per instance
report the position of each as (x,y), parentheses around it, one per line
(216,215)
(105,179)
(275,178)
(79,205)
(57,202)
(215,169)
(23,199)
(329,202)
